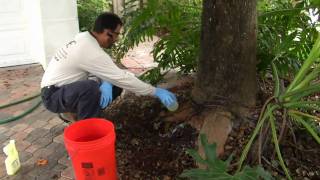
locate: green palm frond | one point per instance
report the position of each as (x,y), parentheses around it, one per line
(309,125)
(295,102)
(218,169)
(176,23)
(285,35)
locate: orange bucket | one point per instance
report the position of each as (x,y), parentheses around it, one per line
(91,146)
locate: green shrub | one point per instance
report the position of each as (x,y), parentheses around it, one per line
(218,169)
(177,23)
(285,35)
(294,103)
(88,10)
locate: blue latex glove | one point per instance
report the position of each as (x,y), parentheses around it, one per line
(106,94)
(166,97)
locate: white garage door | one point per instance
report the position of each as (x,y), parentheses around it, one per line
(14,47)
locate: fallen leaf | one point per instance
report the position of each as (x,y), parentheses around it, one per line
(42,162)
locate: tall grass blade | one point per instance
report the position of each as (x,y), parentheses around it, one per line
(276,143)
(317,119)
(261,120)
(314,54)
(307,126)
(276,80)
(311,76)
(300,93)
(298,103)
(306,107)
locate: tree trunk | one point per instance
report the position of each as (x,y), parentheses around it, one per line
(227,66)
(226,76)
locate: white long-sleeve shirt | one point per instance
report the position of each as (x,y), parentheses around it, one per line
(83,56)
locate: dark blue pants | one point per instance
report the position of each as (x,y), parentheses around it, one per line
(81,97)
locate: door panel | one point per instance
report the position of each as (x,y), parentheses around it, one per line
(13,34)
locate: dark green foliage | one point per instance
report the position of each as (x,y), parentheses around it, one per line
(285,35)
(177,23)
(152,76)
(293,102)
(88,10)
(218,169)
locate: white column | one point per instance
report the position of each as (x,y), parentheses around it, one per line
(35,31)
(60,24)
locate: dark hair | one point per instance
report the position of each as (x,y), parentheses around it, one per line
(106,20)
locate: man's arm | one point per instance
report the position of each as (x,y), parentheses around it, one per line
(103,67)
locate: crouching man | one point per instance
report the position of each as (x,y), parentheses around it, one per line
(65,87)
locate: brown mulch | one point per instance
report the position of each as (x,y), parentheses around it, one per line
(148,147)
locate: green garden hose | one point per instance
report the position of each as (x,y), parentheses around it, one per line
(19,101)
(9,119)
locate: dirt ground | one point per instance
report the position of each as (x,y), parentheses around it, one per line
(150,148)
(147,146)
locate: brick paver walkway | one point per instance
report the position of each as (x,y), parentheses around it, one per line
(39,135)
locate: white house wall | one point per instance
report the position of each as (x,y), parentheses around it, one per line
(60,24)
(35,31)
(14,44)
(32,30)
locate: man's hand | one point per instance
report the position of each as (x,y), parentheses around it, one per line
(166,97)
(106,94)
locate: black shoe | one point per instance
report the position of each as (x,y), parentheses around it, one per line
(67,117)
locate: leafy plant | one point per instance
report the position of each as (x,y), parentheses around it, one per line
(152,76)
(294,103)
(88,10)
(218,169)
(177,23)
(286,34)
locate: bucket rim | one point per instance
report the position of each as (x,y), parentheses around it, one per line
(110,136)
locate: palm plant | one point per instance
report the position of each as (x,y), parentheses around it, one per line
(218,169)
(177,23)
(286,34)
(293,102)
